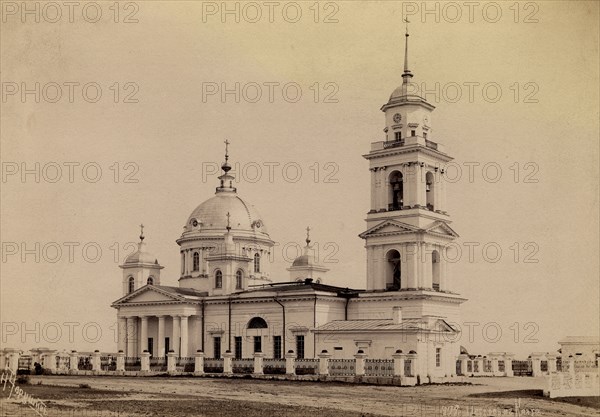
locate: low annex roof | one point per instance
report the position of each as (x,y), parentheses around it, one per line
(384,324)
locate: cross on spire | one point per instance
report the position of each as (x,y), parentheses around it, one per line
(141,232)
(307,235)
(226,150)
(228,216)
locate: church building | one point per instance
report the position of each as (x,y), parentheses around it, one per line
(226,298)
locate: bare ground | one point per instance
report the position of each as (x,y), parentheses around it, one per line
(216,397)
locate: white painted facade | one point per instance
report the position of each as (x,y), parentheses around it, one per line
(227,300)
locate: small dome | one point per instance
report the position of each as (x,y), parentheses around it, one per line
(303,260)
(141,257)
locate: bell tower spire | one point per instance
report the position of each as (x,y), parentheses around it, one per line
(406,75)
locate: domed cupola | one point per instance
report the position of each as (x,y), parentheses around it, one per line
(306,266)
(203,233)
(140,268)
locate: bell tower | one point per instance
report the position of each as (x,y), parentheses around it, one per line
(408,226)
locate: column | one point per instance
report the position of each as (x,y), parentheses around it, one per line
(381,200)
(144,334)
(373,189)
(443,270)
(161,337)
(412,263)
(184,336)
(176,335)
(122,333)
(324,363)
(419,186)
(258,363)
(420,261)
(404,262)
(131,336)
(187,262)
(426,257)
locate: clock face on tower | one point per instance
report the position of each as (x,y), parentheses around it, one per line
(397,118)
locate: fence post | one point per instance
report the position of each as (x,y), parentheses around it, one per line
(508,369)
(571,361)
(359,366)
(480,364)
(96,361)
(73,362)
(413,364)
(227,364)
(551,357)
(258,363)
(145,361)
(324,362)
(199,363)
(171,362)
(398,363)
(536,364)
(463,363)
(12,359)
(120,361)
(289,363)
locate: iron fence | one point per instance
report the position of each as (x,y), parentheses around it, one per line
(274,366)
(379,367)
(306,366)
(342,367)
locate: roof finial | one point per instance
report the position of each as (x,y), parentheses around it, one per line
(307,235)
(228,226)
(141,233)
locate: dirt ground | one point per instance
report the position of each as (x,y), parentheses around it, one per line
(217,397)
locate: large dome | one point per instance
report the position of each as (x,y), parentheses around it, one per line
(212,214)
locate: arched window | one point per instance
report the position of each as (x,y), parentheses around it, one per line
(257,323)
(196,264)
(396,191)
(218,279)
(429,190)
(256,262)
(392,282)
(238,279)
(131,284)
(150,281)
(435,269)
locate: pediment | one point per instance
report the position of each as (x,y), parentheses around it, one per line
(148,294)
(388,227)
(441,228)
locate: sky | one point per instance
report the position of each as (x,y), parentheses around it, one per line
(132,104)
